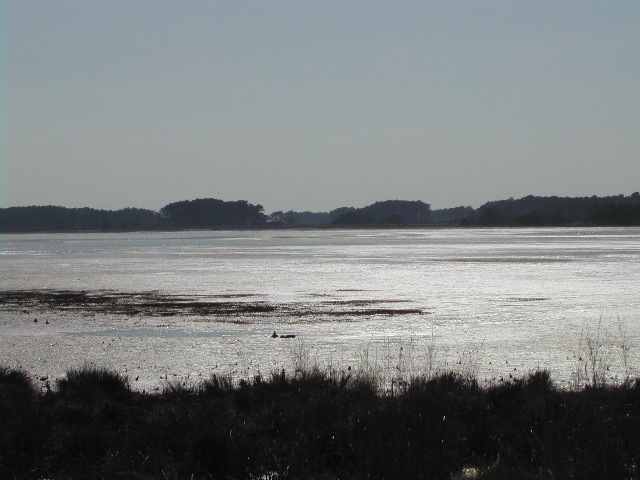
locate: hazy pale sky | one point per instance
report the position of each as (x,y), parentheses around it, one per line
(312,105)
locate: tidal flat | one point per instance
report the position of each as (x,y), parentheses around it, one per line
(159,306)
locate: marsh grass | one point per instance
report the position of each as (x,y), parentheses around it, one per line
(217,385)
(317,423)
(391,366)
(602,356)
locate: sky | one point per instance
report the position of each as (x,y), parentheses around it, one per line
(314,105)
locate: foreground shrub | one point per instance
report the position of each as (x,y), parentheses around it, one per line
(317,424)
(89,383)
(20,420)
(15,382)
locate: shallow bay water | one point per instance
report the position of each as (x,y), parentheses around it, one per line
(494,302)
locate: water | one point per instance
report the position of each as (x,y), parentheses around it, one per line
(494,301)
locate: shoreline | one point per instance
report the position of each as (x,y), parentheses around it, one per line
(320,227)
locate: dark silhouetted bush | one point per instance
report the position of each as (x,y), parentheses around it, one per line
(317,424)
(21,435)
(90,383)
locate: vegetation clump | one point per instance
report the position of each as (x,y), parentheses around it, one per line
(317,424)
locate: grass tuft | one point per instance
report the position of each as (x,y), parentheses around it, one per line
(217,386)
(89,383)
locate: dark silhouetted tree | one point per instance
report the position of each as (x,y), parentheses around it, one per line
(353,218)
(210,212)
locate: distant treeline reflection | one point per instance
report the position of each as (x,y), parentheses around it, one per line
(619,210)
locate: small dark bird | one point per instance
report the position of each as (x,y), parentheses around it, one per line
(274,335)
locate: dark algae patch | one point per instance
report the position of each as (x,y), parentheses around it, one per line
(214,307)
(316,424)
(152,304)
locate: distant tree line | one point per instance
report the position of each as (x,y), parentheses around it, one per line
(528,211)
(609,213)
(51,218)
(389,212)
(616,210)
(553,211)
(451,215)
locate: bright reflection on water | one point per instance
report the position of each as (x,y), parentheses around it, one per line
(498,299)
